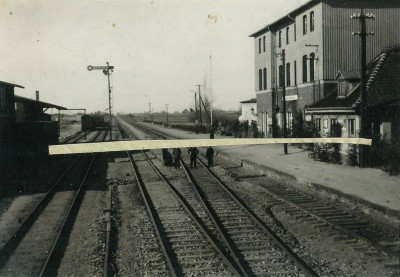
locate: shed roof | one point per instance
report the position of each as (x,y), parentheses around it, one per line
(253,100)
(38,103)
(10,84)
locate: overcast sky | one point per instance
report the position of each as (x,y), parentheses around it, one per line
(160,49)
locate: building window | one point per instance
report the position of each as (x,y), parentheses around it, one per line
(259,46)
(287,35)
(294,31)
(280,39)
(318,124)
(260,79)
(295,73)
(265,78)
(312,59)
(288,74)
(264,43)
(281,77)
(333,122)
(305,69)
(311,21)
(304,24)
(352,126)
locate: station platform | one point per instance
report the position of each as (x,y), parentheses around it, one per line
(371,187)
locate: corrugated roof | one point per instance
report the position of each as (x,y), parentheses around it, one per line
(10,84)
(40,103)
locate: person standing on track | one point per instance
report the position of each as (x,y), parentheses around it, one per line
(177,157)
(210,156)
(193,156)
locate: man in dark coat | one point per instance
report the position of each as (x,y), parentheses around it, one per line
(177,156)
(210,156)
(193,155)
(167,157)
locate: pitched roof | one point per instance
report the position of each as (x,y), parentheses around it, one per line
(349,75)
(10,84)
(383,85)
(253,100)
(39,103)
(332,102)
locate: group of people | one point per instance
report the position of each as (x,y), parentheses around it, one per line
(175,158)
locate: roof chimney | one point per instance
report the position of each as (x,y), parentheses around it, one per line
(37,95)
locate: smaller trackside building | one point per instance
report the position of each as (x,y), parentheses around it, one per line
(318,43)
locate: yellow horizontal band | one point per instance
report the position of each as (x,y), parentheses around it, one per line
(178,143)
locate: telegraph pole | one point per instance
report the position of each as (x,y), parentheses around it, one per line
(211,104)
(109,98)
(201,119)
(282,77)
(195,107)
(363,59)
(166,106)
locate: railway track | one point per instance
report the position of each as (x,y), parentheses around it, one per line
(345,226)
(100,135)
(37,246)
(250,244)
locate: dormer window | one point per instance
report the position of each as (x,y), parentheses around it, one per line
(342,88)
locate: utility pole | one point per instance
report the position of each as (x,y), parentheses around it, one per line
(201,119)
(282,77)
(107,70)
(211,93)
(195,107)
(166,105)
(364,132)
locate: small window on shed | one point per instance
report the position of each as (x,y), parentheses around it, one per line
(318,124)
(352,126)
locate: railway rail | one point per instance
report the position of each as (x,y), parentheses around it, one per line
(100,135)
(37,245)
(348,227)
(250,244)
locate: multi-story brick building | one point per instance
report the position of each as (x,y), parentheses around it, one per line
(318,43)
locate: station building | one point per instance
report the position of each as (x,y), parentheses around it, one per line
(342,105)
(249,111)
(318,43)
